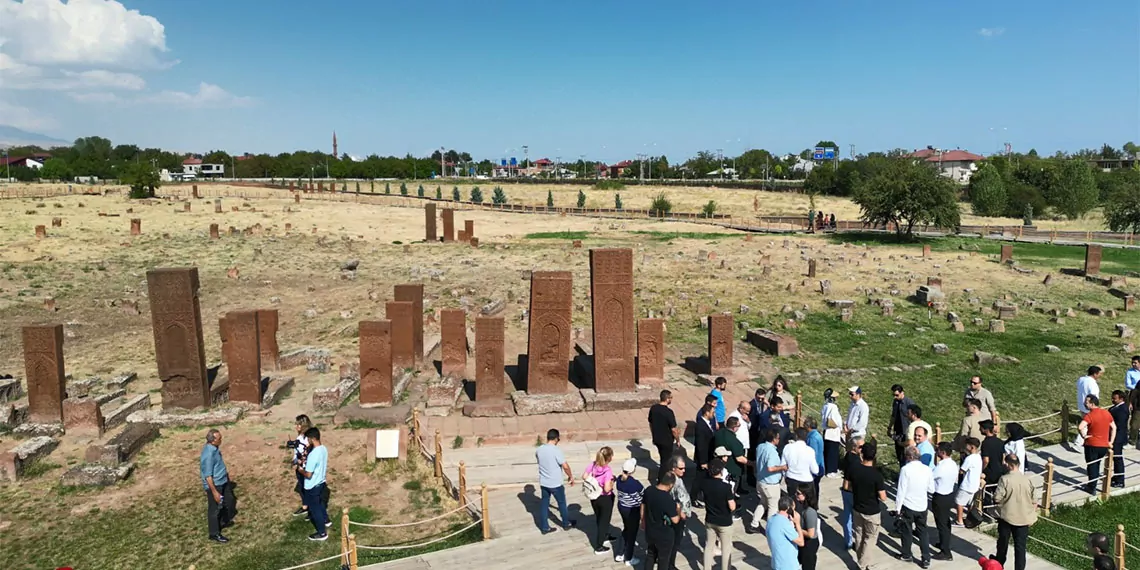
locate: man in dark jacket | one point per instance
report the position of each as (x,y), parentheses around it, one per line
(703,448)
(777,419)
(737,461)
(900,421)
(1119,411)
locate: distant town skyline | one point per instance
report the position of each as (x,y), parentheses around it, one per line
(659,78)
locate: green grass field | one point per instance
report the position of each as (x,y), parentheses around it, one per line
(1096,517)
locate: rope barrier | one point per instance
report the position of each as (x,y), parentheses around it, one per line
(334,557)
(1132,547)
(1031,419)
(1051,432)
(422,544)
(354,523)
(1039,541)
(1070,527)
(1069,487)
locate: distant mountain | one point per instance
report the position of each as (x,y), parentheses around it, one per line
(11,136)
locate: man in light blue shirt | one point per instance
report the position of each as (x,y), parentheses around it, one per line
(719,387)
(926,450)
(220,500)
(552,466)
(316,465)
(770,470)
(1132,375)
(784,537)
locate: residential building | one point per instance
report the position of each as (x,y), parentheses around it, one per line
(957,165)
(35,161)
(618,170)
(193,167)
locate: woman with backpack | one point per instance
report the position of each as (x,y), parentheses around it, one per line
(629,491)
(598,485)
(831,424)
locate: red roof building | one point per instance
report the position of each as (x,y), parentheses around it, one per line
(957,165)
(191,160)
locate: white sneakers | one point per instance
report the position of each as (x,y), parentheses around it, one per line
(633,561)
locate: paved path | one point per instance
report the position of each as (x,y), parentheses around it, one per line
(518,544)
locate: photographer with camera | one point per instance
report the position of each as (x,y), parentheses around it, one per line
(300,448)
(312,475)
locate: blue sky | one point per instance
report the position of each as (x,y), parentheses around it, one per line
(596,78)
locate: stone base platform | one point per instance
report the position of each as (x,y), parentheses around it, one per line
(388,415)
(278,386)
(641,398)
(538,404)
(38,430)
(489,409)
(95,475)
(210,418)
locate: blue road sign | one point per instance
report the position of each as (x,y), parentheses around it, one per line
(821,153)
(514,161)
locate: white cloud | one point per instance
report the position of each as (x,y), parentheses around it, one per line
(991,32)
(24,118)
(100,33)
(96,97)
(208,95)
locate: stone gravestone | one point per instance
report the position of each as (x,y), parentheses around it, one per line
(213,231)
(241,350)
(195,192)
(1092,259)
(448,225)
(43,364)
(297,198)
(926,250)
(1129,302)
(186,206)
(462,235)
(548,344)
(650,350)
(136,226)
(177,322)
(611,291)
(469,228)
(267,322)
(773,343)
(429,220)
(217,205)
(414,293)
(811,268)
(720,344)
(375,363)
(1006,254)
(41,232)
(453,342)
(489,339)
(402,335)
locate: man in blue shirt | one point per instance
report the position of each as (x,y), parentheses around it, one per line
(926,450)
(316,465)
(719,387)
(815,442)
(220,502)
(770,470)
(785,537)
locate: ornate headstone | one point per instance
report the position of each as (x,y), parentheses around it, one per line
(414,293)
(402,334)
(177,322)
(448,225)
(611,291)
(548,345)
(242,352)
(1006,254)
(429,219)
(1129,302)
(453,342)
(267,321)
(43,364)
(720,344)
(375,363)
(650,350)
(1092,259)
(489,340)
(41,232)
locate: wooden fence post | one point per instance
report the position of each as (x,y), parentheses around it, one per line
(352,564)
(344,546)
(937,433)
(1106,475)
(1064,421)
(1119,546)
(438,461)
(997,423)
(799,409)
(981,495)
(462,484)
(486,513)
(1047,499)
(416,421)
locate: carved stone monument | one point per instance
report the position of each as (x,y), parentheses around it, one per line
(402,335)
(414,293)
(1006,254)
(267,320)
(375,363)
(43,364)
(136,226)
(469,228)
(548,346)
(720,344)
(611,290)
(811,268)
(453,342)
(650,350)
(177,322)
(242,352)
(448,225)
(213,231)
(1092,259)
(429,219)
(489,339)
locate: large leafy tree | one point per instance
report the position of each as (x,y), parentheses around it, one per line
(907,194)
(1075,191)
(142,178)
(1122,209)
(987,191)
(55,169)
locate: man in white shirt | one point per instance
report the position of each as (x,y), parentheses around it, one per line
(800,459)
(1088,385)
(971,477)
(857,415)
(911,504)
(942,502)
(742,412)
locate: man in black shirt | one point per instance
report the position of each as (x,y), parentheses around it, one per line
(659,514)
(719,505)
(1119,412)
(993,455)
(737,461)
(868,491)
(900,421)
(663,427)
(702,449)
(846,463)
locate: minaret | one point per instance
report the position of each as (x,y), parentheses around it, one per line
(334,145)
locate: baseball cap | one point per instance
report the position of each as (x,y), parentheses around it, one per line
(854,390)
(629,466)
(722,451)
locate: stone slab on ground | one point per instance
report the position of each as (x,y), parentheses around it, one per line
(640,399)
(95,475)
(123,446)
(121,380)
(211,418)
(489,409)
(312,358)
(278,386)
(102,399)
(118,416)
(772,342)
(389,415)
(10,390)
(31,429)
(14,461)
(14,414)
(537,404)
(332,398)
(444,391)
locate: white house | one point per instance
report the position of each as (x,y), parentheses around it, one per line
(800,164)
(193,167)
(957,165)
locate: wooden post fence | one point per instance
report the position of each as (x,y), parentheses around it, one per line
(1064,422)
(937,433)
(799,409)
(997,424)
(462,484)
(352,565)
(1106,473)
(1047,498)
(981,495)
(344,546)
(486,513)
(438,460)
(1118,548)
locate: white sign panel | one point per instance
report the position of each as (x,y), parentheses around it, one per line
(387,444)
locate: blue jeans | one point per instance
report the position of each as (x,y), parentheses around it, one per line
(845,519)
(559,493)
(317,512)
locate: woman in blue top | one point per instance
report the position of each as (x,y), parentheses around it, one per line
(629,492)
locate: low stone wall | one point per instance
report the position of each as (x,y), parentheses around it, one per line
(211,418)
(119,416)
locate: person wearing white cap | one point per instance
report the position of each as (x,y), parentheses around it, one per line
(857,414)
(629,491)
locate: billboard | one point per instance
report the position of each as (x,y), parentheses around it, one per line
(823,153)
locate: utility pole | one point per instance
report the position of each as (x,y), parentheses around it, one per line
(720,159)
(852,147)
(526,155)
(442,164)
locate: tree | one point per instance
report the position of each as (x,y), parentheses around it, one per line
(709,209)
(1076,191)
(661,205)
(438,193)
(420,191)
(142,178)
(1131,149)
(987,191)
(549,198)
(1122,209)
(908,194)
(1106,151)
(387,188)
(476,195)
(403,189)
(821,180)
(455,193)
(581,199)
(55,169)
(499,197)
(617,201)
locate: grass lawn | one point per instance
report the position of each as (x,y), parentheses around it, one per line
(1096,517)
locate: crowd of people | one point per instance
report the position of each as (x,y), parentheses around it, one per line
(758,456)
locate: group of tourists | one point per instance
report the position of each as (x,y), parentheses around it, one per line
(759,449)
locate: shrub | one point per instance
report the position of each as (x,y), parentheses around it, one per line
(709,209)
(549,198)
(609,185)
(455,193)
(581,199)
(357,186)
(372,186)
(499,197)
(476,195)
(403,189)
(420,191)
(438,193)
(661,205)
(387,188)
(617,201)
